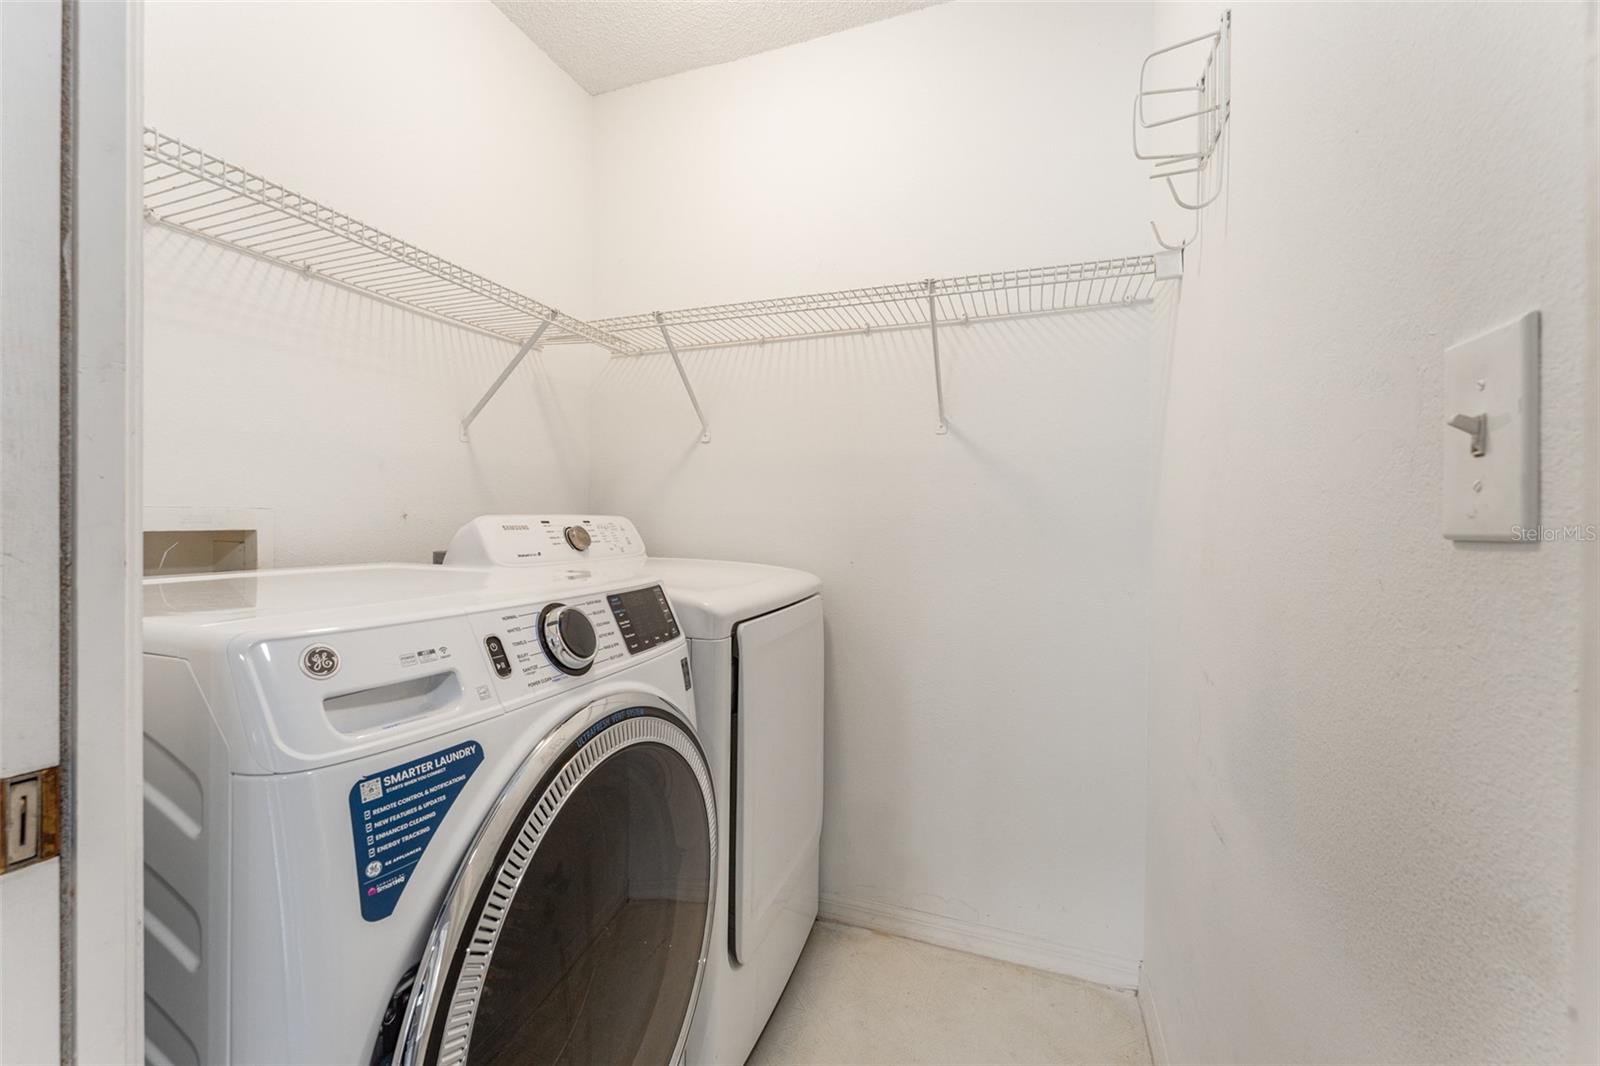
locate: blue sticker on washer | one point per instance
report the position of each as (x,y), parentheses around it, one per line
(393,816)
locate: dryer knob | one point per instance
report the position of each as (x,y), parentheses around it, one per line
(568,638)
(577,537)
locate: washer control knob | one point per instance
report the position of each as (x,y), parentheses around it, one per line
(578,537)
(568,638)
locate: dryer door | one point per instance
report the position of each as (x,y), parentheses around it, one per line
(775,816)
(577,928)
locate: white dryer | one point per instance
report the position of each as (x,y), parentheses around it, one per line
(408,814)
(756,645)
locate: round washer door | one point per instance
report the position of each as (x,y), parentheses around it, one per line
(578,926)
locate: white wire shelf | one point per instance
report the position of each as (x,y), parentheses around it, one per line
(197,193)
(926,305)
(906,305)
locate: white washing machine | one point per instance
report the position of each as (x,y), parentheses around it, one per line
(755,639)
(410,814)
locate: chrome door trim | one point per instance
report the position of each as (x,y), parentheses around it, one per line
(428,1007)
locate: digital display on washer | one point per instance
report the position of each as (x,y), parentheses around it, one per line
(644,618)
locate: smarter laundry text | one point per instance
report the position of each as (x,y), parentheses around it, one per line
(393,816)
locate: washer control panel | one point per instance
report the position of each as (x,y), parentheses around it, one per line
(517,645)
(644,618)
(543,540)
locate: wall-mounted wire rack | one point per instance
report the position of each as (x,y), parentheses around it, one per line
(927,304)
(1203,109)
(199,194)
(194,192)
(970,298)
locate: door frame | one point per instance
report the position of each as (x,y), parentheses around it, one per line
(31,372)
(103,723)
(71,977)
(1586,926)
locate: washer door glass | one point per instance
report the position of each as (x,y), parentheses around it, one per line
(587,938)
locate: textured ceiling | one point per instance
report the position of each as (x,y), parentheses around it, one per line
(609,44)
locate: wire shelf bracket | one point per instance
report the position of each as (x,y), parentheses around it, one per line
(529,345)
(933,334)
(683,376)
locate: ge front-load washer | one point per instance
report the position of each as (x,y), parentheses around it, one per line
(755,640)
(409,814)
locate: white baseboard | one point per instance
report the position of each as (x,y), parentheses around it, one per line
(1152,1020)
(1089,964)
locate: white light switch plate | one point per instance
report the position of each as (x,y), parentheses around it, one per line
(1495,495)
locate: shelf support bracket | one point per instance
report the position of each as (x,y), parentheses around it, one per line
(933,330)
(522,353)
(666,337)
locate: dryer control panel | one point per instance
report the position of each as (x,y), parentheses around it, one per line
(543,540)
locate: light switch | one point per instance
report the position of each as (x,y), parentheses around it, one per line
(1490,434)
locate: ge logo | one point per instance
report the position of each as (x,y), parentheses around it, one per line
(319,661)
(374,868)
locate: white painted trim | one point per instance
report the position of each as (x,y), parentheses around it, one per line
(30,1029)
(30,506)
(1586,925)
(106,997)
(1089,964)
(1152,1019)
(30,376)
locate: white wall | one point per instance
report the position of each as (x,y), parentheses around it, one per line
(960,138)
(1363,735)
(986,589)
(441,124)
